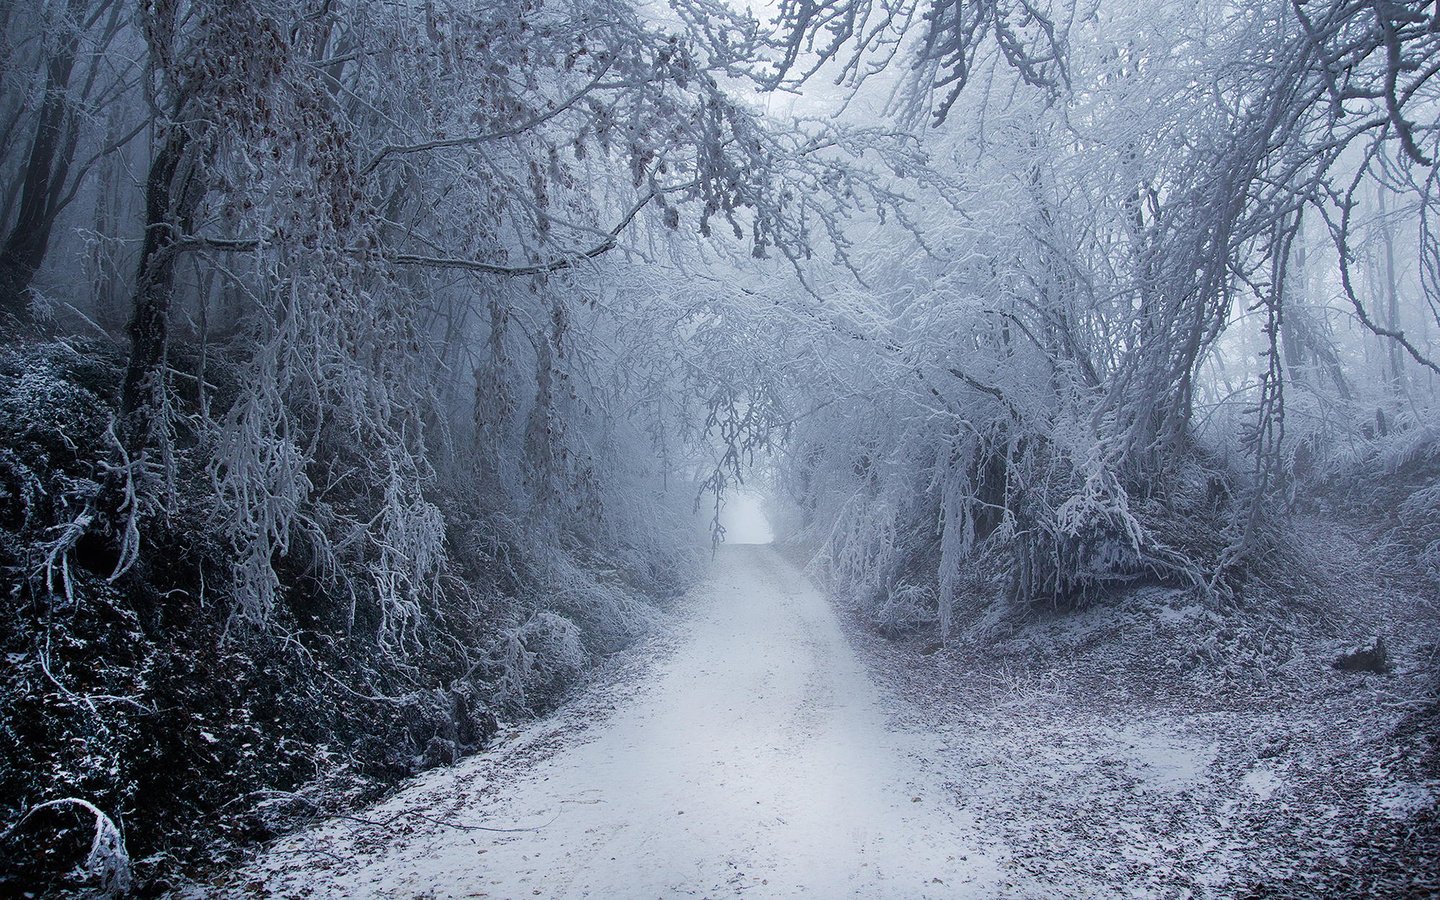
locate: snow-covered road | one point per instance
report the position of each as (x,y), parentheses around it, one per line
(754,760)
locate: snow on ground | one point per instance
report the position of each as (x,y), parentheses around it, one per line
(764,747)
(1099,760)
(754,759)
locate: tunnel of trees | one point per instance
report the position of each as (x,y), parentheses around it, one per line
(365,364)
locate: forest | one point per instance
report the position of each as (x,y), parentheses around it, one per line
(374,374)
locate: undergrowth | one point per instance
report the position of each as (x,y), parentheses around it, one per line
(141,715)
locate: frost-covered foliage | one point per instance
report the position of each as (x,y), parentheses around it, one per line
(413,330)
(1420,516)
(390,447)
(1149,322)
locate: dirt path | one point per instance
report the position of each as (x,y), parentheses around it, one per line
(755,760)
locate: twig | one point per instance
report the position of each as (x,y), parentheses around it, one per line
(391,820)
(446,823)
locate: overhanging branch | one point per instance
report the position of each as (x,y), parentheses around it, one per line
(567,261)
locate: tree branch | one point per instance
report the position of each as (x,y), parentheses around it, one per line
(473,139)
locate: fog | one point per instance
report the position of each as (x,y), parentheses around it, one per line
(744,519)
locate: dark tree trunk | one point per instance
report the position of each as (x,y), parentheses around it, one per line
(171,195)
(46,169)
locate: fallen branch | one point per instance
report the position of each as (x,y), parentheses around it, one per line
(410,813)
(107,858)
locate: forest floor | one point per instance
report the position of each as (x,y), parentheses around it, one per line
(1104,759)
(766,746)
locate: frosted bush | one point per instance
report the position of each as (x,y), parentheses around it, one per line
(537,659)
(905,608)
(1419,516)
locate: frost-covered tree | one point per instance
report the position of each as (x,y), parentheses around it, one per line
(1138,201)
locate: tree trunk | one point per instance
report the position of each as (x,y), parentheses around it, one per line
(171,195)
(46,168)
(1292,340)
(105,278)
(1395,360)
